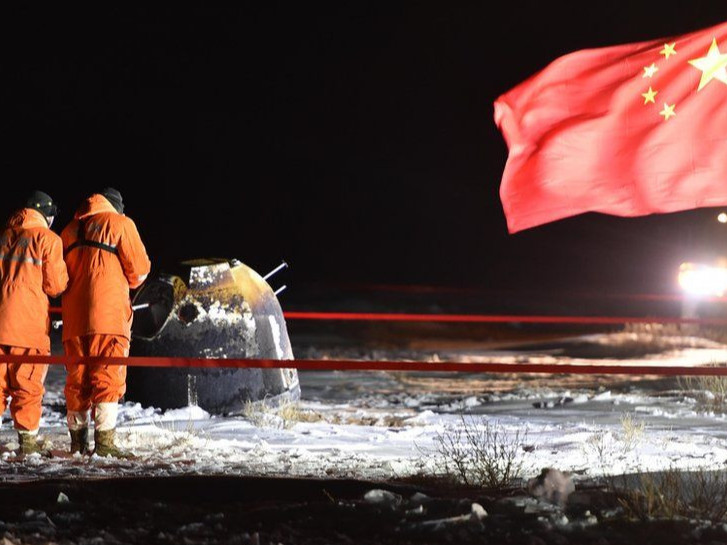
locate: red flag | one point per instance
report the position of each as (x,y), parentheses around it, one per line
(627,130)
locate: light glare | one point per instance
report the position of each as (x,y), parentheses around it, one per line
(703,280)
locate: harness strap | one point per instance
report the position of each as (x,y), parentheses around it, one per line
(82,241)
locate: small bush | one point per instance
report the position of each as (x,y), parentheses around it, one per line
(601,445)
(480,453)
(672,493)
(283,416)
(632,433)
(710,392)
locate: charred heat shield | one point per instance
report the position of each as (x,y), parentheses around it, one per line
(213,308)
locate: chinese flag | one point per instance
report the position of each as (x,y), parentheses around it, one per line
(627,130)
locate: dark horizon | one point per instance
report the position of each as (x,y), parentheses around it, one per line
(355,143)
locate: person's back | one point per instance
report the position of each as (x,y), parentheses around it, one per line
(31,269)
(113,261)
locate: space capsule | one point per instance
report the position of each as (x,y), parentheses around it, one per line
(210,308)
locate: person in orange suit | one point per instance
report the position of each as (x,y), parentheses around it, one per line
(106,259)
(31,270)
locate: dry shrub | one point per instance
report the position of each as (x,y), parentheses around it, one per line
(600,444)
(282,416)
(480,453)
(657,331)
(651,327)
(633,431)
(718,334)
(672,493)
(709,391)
(382,420)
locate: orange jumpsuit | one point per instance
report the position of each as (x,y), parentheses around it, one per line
(31,269)
(105,258)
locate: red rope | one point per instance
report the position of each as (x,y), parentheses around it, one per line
(363,365)
(479,318)
(486,318)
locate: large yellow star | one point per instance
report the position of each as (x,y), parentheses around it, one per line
(668,111)
(712,66)
(668,50)
(649,96)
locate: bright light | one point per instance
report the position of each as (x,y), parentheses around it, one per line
(722,217)
(703,280)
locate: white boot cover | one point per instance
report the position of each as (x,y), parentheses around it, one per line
(105,416)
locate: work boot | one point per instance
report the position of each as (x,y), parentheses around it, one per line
(106,446)
(79,441)
(29,443)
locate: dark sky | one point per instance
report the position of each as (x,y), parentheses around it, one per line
(353,140)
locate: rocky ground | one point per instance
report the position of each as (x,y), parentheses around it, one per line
(229,510)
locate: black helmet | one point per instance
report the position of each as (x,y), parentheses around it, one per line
(41,202)
(114,197)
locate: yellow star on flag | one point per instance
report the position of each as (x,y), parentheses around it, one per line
(668,111)
(712,66)
(649,96)
(649,71)
(668,50)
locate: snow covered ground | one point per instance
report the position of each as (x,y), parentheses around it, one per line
(387,425)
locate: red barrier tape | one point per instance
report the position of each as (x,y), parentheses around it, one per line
(484,318)
(479,318)
(363,365)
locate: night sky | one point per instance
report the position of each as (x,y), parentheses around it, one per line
(353,140)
